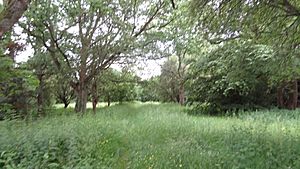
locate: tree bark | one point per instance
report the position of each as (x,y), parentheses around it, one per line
(81,92)
(181,95)
(13,11)
(66,104)
(81,89)
(294,94)
(280,100)
(40,97)
(287,95)
(95,101)
(95,94)
(108,100)
(81,100)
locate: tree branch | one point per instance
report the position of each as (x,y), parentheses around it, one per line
(12,12)
(55,42)
(173,4)
(144,27)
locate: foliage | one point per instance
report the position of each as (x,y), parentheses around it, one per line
(44,71)
(267,22)
(273,24)
(64,93)
(185,43)
(17,89)
(236,75)
(17,84)
(116,86)
(149,90)
(168,82)
(156,136)
(86,37)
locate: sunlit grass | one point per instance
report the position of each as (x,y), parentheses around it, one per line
(89,105)
(153,136)
(100,104)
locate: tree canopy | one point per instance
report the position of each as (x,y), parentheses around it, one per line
(272,22)
(222,53)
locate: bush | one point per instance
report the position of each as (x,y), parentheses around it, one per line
(232,77)
(17,90)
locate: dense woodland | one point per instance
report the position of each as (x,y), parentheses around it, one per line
(220,58)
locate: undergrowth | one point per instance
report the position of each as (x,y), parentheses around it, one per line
(152,136)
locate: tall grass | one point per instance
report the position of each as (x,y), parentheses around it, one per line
(153,136)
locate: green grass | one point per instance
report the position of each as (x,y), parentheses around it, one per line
(153,136)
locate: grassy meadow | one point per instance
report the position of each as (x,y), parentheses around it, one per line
(152,136)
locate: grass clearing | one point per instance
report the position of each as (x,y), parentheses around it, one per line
(153,136)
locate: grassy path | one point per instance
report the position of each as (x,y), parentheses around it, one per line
(153,136)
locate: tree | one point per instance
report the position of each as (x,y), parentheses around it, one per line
(115,86)
(17,83)
(184,42)
(173,79)
(168,84)
(149,90)
(267,22)
(43,71)
(238,75)
(17,89)
(63,91)
(12,11)
(88,36)
(271,23)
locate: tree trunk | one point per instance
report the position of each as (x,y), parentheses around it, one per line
(294,95)
(287,95)
(40,96)
(280,100)
(12,12)
(95,95)
(81,100)
(66,104)
(94,105)
(181,95)
(95,102)
(81,87)
(81,96)
(108,100)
